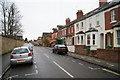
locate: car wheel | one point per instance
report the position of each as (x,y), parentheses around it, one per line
(53,51)
(31,63)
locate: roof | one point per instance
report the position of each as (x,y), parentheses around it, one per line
(20,47)
(117,24)
(93,12)
(80,32)
(45,34)
(92,30)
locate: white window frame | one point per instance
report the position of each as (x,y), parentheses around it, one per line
(72,29)
(81,25)
(69,30)
(82,40)
(69,40)
(117,37)
(78,39)
(89,39)
(77,27)
(93,40)
(113,15)
(97,20)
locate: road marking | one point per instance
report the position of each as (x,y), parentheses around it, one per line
(63,69)
(90,68)
(111,72)
(110,64)
(35,67)
(35,62)
(36,71)
(73,61)
(10,78)
(5,70)
(81,64)
(46,55)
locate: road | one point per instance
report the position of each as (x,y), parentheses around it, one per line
(51,65)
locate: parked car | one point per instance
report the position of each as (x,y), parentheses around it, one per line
(60,49)
(21,55)
(29,45)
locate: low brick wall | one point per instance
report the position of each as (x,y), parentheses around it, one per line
(80,49)
(109,54)
(9,44)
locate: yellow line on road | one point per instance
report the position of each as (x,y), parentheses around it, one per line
(63,69)
(111,72)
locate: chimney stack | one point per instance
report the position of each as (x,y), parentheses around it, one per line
(67,20)
(79,14)
(102,2)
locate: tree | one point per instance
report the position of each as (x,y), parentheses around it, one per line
(46,41)
(10,20)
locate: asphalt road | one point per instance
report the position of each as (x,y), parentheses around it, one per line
(51,65)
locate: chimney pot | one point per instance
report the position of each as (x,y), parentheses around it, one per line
(79,14)
(102,2)
(67,20)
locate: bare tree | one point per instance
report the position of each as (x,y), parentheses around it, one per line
(10,19)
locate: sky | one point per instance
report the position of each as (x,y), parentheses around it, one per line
(42,15)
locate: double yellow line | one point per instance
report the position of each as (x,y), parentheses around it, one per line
(111,71)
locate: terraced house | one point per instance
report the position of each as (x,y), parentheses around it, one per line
(95,31)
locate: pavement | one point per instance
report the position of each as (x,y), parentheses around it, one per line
(96,61)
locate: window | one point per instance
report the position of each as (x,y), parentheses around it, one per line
(97,20)
(93,39)
(65,31)
(118,37)
(69,41)
(69,30)
(72,29)
(90,25)
(78,40)
(81,39)
(88,39)
(77,27)
(81,24)
(113,15)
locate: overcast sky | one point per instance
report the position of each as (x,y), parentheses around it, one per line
(42,15)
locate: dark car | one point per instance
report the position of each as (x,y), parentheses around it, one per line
(60,49)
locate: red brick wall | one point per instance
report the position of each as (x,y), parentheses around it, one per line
(108,24)
(80,49)
(109,54)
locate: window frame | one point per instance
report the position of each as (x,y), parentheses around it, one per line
(118,37)
(113,15)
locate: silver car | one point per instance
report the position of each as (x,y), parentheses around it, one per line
(21,55)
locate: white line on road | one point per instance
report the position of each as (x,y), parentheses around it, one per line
(73,61)
(63,69)
(35,67)
(10,78)
(81,64)
(46,55)
(36,71)
(35,62)
(90,67)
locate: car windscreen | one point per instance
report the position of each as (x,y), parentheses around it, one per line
(20,51)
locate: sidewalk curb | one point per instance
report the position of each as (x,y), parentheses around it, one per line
(3,73)
(96,64)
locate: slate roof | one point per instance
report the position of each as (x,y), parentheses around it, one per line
(93,12)
(117,24)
